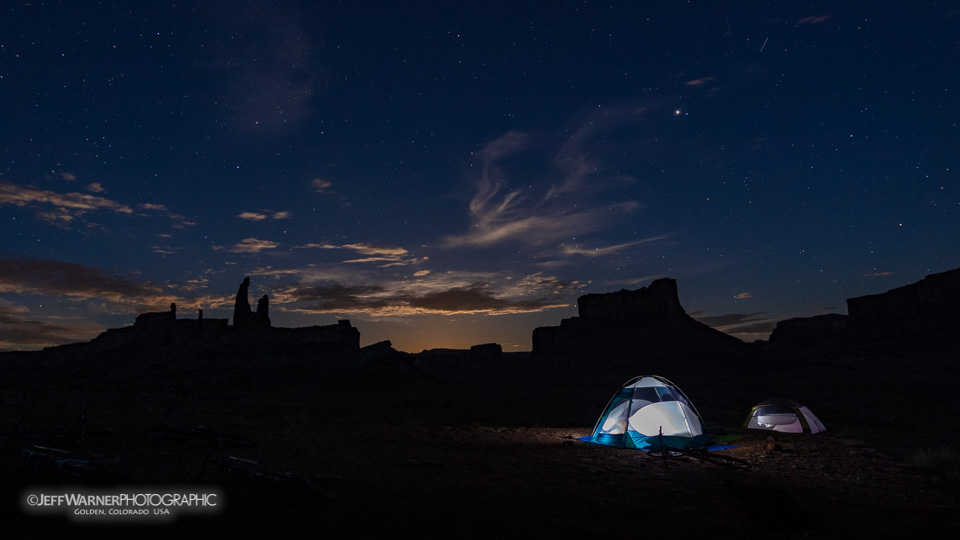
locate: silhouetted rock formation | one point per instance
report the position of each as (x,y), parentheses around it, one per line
(243,315)
(241,306)
(924,312)
(157,331)
(647,320)
(920,315)
(486,353)
(160,325)
(805,333)
(485,363)
(324,338)
(157,318)
(927,307)
(379,351)
(658,302)
(262,316)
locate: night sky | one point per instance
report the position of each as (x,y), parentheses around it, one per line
(445,174)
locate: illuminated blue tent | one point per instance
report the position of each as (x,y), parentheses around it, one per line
(649,413)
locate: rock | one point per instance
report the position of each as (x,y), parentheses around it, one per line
(158,318)
(659,301)
(262,316)
(242,314)
(381,350)
(921,315)
(486,353)
(646,320)
(805,333)
(927,308)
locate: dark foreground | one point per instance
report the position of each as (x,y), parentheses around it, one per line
(385,450)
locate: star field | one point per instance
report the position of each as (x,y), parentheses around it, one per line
(449,174)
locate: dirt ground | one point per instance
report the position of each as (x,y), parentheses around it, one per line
(481,459)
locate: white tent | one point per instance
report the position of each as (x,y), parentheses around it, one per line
(650,412)
(784,415)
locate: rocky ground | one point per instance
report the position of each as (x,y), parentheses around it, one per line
(386,450)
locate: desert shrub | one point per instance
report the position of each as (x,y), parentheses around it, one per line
(941,460)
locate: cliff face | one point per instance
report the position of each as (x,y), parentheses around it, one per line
(804,333)
(646,320)
(929,304)
(658,302)
(920,315)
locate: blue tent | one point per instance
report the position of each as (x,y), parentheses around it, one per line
(649,412)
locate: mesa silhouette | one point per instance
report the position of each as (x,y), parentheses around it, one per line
(620,328)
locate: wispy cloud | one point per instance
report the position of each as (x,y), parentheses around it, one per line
(320,291)
(552,208)
(539,284)
(380,301)
(385,255)
(57,208)
(475,299)
(816,19)
(62,209)
(743,296)
(20,330)
(341,298)
(699,82)
(248,245)
(179,222)
(601,251)
(275,272)
(320,185)
(264,215)
(40,276)
(89,293)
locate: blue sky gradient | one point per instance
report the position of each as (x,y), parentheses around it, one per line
(448,174)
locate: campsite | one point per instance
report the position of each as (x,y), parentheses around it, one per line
(477,458)
(366,269)
(371,442)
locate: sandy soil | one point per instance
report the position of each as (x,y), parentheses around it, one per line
(487,459)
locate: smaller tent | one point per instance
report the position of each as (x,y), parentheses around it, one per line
(649,413)
(785,415)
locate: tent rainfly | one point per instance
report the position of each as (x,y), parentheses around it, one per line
(649,413)
(785,415)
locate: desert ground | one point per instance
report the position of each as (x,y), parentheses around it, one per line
(380,448)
